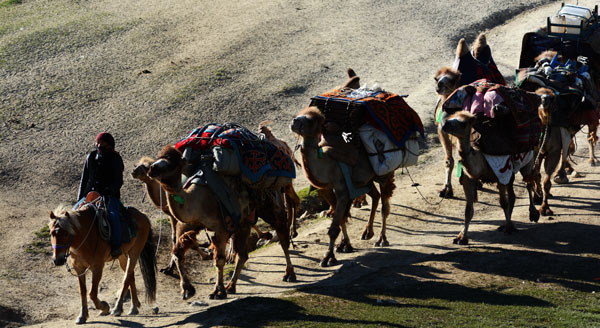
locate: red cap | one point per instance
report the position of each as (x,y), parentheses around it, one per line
(106,137)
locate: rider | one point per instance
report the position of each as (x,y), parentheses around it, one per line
(103,173)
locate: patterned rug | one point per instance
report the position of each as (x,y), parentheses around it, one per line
(256,156)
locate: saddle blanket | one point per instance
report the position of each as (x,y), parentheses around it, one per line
(505,166)
(257,156)
(387,111)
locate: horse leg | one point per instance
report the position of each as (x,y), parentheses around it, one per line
(96,276)
(469,187)
(446,142)
(83,313)
(368,230)
(219,242)
(117,310)
(339,217)
(135,302)
(387,189)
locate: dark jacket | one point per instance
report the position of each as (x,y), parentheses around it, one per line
(103,174)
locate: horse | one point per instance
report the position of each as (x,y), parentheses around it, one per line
(76,234)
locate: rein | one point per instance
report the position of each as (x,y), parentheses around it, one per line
(81,244)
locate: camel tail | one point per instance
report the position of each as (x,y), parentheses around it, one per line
(148,267)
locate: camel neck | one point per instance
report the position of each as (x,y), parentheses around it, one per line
(312,154)
(464,150)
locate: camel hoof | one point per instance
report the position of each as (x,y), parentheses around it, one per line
(231,290)
(104,307)
(385,243)
(133,311)
(80,320)
(188,292)
(561,179)
(116,312)
(367,234)
(323,263)
(461,241)
(291,277)
(546,211)
(267,236)
(446,193)
(534,216)
(218,294)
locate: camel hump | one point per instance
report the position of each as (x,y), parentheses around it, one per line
(479,45)
(351,73)
(461,48)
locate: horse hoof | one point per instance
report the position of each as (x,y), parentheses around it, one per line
(80,320)
(133,312)
(377,243)
(385,243)
(446,193)
(366,235)
(561,179)
(116,312)
(332,261)
(289,278)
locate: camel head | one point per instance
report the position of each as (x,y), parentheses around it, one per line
(169,164)
(547,104)
(308,123)
(447,80)
(140,171)
(459,124)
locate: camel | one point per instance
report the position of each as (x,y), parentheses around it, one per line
(292,201)
(324,173)
(447,80)
(197,205)
(477,168)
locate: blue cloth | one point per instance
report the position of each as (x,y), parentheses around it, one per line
(113,207)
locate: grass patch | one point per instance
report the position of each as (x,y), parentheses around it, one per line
(8,3)
(41,242)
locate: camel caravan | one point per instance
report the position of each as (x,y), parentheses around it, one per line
(222,177)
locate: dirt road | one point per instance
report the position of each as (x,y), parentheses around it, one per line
(150,73)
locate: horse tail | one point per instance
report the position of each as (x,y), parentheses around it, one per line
(147,262)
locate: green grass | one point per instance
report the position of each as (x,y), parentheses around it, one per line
(40,243)
(303,193)
(8,3)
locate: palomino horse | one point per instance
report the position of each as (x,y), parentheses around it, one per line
(76,234)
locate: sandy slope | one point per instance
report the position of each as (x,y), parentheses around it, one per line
(244,61)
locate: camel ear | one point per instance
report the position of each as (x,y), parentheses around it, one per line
(52,216)
(67,214)
(461,48)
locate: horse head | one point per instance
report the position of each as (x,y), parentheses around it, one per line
(62,231)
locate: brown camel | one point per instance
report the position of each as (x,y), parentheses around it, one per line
(324,173)
(447,80)
(476,168)
(292,201)
(198,206)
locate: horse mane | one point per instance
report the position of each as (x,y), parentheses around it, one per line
(479,45)
(68,219)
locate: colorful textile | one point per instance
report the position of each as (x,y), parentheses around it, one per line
(387,111)
(482,67)
(505,166)
(256,156)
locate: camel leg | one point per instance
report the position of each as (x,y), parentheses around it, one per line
(341,209)
(292,201)
(507,202)
(368,230)
(592,141)
(262,235)
(184,242)
(329,197)
(177,229)
(446,142)
(219,242)
(345,246)
(551,164)
(561,176)
(469,187)
(240,246)
(387,189)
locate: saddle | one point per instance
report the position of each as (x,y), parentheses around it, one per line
(128,226)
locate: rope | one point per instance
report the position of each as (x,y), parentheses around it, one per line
(537,158)
(159,224)
(416,185)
